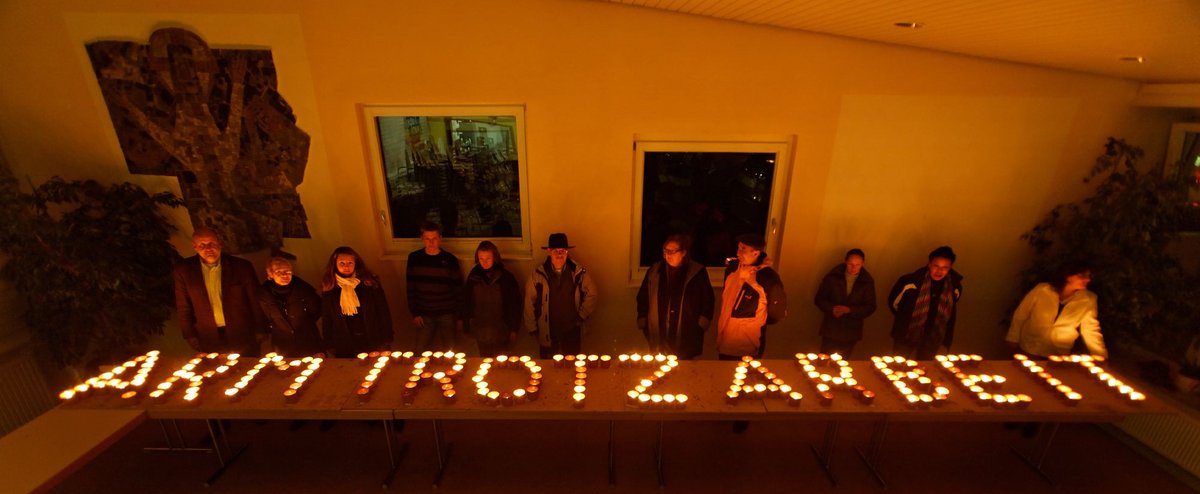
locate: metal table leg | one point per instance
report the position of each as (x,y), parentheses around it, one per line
(217,443)
(826,452)
(870,458)
(389,431)
(658,457)
(1037,455)
(612,454)
(443,457)
(171,440)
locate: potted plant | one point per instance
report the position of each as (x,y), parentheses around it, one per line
(91,264)
(1125,230)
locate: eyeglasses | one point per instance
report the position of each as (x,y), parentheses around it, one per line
(207,245)
(671,252)
(557,251)
(283,273)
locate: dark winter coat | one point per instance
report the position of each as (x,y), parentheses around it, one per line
(377,321)
(695,310)
(860,300)
(903,297)
(491,305)
(292,317)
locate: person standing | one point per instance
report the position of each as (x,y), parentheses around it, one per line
(559,298)
(675,302)
(846,297)
(925,306)
(491,302)
(356,315)
(1052,316)
(434,280)
(292,307)
(753,298)
(216,299)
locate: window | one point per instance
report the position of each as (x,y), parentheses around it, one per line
(712,190)
(462,167)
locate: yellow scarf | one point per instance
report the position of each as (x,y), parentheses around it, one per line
(349,299)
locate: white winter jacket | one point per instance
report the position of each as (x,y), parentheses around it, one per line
(1041,330)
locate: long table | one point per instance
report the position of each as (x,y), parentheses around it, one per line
(330,395)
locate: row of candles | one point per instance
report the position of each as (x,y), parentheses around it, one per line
(826,383)
(910,374)
(1088,362)
(907,376)
(770,385)
(980,384)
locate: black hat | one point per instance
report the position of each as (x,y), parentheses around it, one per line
(558,241)
(752,240)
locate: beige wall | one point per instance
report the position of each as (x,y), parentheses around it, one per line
(897,150)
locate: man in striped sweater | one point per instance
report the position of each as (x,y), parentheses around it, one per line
(434,280)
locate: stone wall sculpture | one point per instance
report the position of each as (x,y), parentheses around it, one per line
(213,118)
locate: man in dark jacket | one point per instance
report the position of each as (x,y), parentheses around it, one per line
(675,302)
(292,307)
(215,298)
(846,297)
(925,306)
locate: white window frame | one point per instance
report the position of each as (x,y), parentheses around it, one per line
(463,247)
(781,145)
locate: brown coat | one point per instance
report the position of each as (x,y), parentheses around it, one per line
(243,316)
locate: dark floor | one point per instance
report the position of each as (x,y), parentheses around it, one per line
(540,456)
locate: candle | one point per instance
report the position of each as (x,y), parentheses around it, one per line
(632,397)
(794,398)
(867,397)
(519,395)
(531,393)
(681,400)
(605,361)
(578,397)
(731,397)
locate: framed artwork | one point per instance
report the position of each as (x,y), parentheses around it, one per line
(710,190)
(462,167)
(1183,158)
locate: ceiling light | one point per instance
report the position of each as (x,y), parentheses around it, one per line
(1134,59)
(909,24)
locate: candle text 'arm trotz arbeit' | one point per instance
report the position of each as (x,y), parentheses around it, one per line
(640,395)
(775,386)
(826,384)
(751,379)
(909,379)
(983,386)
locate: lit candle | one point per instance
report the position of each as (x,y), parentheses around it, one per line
(605,361)
(794,398)
(578,397)
(681,400)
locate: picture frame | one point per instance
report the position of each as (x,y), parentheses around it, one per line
(463,167)
(1183,158)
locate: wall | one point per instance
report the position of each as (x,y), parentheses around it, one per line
(897,150)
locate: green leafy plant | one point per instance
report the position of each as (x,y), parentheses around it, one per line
(91,263)
(1124,230)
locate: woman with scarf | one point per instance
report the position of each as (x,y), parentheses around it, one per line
(356,316)
(925,305)
(491,303)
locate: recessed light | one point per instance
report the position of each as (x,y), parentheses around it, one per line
(909,24)
(1135,59)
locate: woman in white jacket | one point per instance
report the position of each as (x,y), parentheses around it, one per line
(1054,315)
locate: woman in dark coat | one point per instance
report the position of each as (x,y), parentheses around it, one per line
(491,302)
(356,316)
(675,302)
(846,297)
(292,307)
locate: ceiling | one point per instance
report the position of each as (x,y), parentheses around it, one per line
(1080,35)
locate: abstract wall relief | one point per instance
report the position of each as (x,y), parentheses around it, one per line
(213,118)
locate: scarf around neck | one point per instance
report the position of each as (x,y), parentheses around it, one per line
(349,299)
(920,313)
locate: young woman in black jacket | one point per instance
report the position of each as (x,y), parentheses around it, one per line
(491,302)
(356,316)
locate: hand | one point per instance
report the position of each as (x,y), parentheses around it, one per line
(748,274)
(419,321)
(194,343)
(840,310)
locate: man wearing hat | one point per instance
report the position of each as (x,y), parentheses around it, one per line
(753,297)
(559,297)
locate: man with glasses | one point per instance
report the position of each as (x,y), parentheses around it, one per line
(675,302)
(216,299)
(559,297)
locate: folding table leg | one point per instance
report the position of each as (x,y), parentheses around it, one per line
(389,431)
(870,458)
(612,454)
(443,456)
(221,457)
(658,457)
(172,440)
(1037,455)
(826,452)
